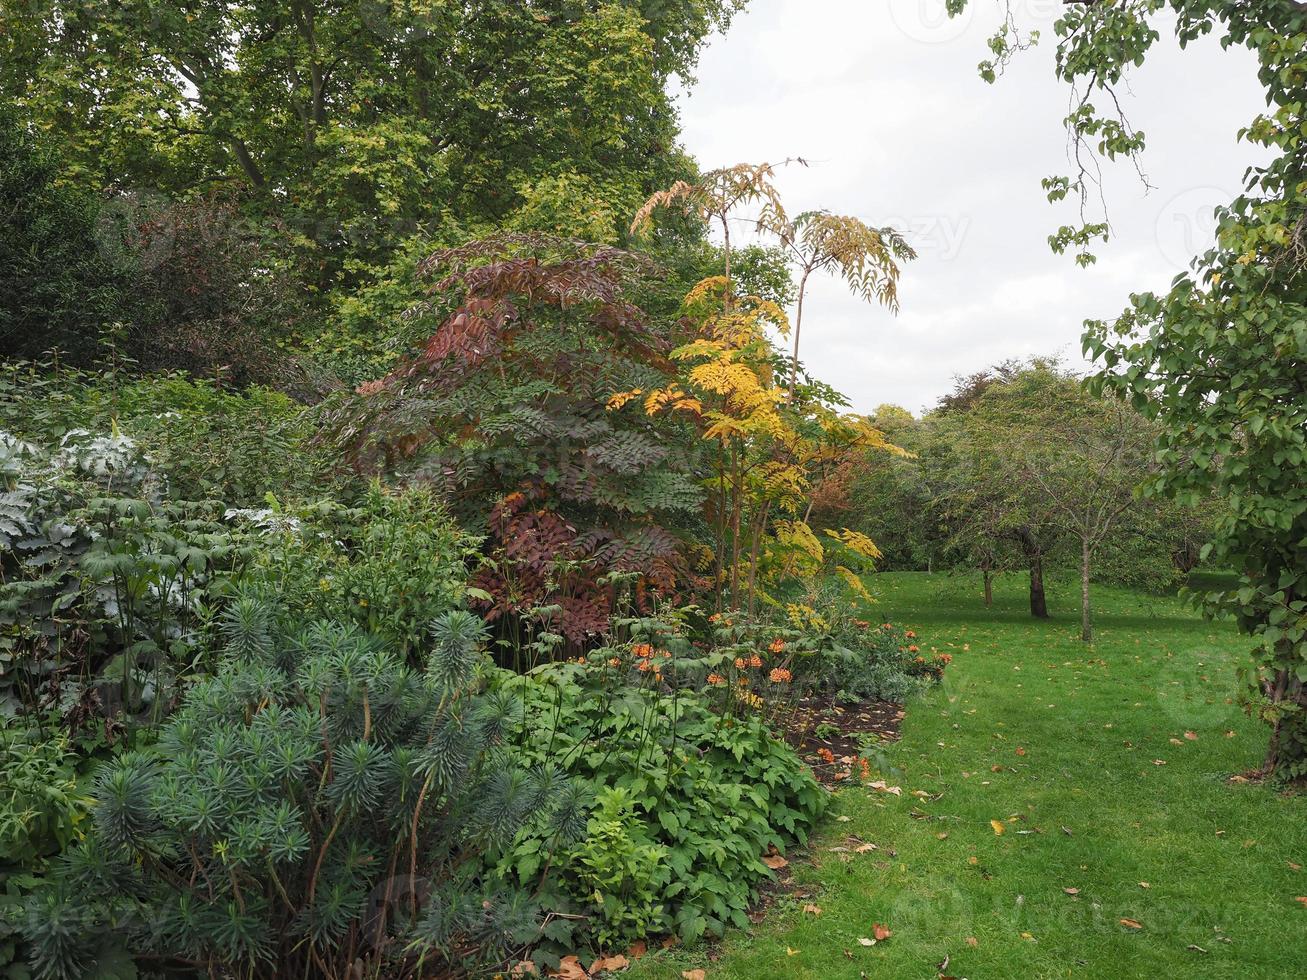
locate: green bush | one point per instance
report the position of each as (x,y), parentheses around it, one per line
(391,564)
(202,441)
(705,795)
(884,663)
(315,803)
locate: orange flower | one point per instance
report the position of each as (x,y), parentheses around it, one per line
(614,662)
(643,666)
(755,661)
(642,650)
(910,635)
(913,648)
(743,681)
(716,679)
(739,663)
(945,658)
(667,654)
(826,755)
(779,675)
(777,645)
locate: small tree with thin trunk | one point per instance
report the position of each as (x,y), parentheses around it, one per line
(1076,458)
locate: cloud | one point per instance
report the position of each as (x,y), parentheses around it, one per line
(883,98)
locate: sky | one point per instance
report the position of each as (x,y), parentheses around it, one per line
(883,100)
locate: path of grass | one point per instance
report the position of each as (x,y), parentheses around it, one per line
(1064,746)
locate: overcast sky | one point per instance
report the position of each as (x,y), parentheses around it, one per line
(882,97)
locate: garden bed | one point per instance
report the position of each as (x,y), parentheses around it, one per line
(831,736)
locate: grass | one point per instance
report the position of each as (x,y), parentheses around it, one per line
(1061,744)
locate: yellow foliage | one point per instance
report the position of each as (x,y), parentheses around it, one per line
(854,583)
(858,542)
(622,398)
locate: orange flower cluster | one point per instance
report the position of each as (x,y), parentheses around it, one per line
(913,648)
(945,658)
(642,650)
(826,755)
(777,645)
(780,675)
(742,664)
(716,679)
(614,662)
(910,635)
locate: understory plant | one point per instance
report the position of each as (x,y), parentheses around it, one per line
(690,801)
(316,807)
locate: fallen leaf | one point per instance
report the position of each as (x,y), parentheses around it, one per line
(864,848)
(973,942)
(998,827)
(1027,937)
(523,969)
(1067,831)
(693,974)
(843,819)
(864,941)
(610,964)
(1020,750)
(669,941)
(880,932)
(848,954)
(1131,924)
(638,949)
(1176,741)
(1295,867)
(570,968)
(1229,734)
(942,835)
(1071,891)
(1301,898)
(774,861)
(1191,736)
(790,951)
(973,860)
(1159,762)
(812,909)
(1144,884)
(1196,949)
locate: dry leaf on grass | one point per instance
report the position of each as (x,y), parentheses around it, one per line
(1132,924)
(880,932)
(523,969)
(693,974)
(610,964)
(1301,898)
(1071,891)
(774,861)
(1191,736)
(998,827)
(638,949)
(811,909)
(973,942)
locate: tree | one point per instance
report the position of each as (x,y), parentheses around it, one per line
(358,123)
(866,258)
(57,289)
(1085,456)
(1220,359)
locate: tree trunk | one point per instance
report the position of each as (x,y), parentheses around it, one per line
(989,589)
(1086,627)
(1289,732)
(1038,603)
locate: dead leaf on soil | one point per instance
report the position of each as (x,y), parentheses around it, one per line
(774,861)
(610,964)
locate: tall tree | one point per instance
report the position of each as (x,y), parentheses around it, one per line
(358,122)
(1221,358)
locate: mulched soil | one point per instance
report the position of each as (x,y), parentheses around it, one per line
(822,723)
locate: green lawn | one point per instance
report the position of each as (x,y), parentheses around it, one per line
(1061,743)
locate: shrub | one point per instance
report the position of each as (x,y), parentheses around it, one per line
(391,564)
(695,800)
(886,665)
(105,586)
(316,803)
